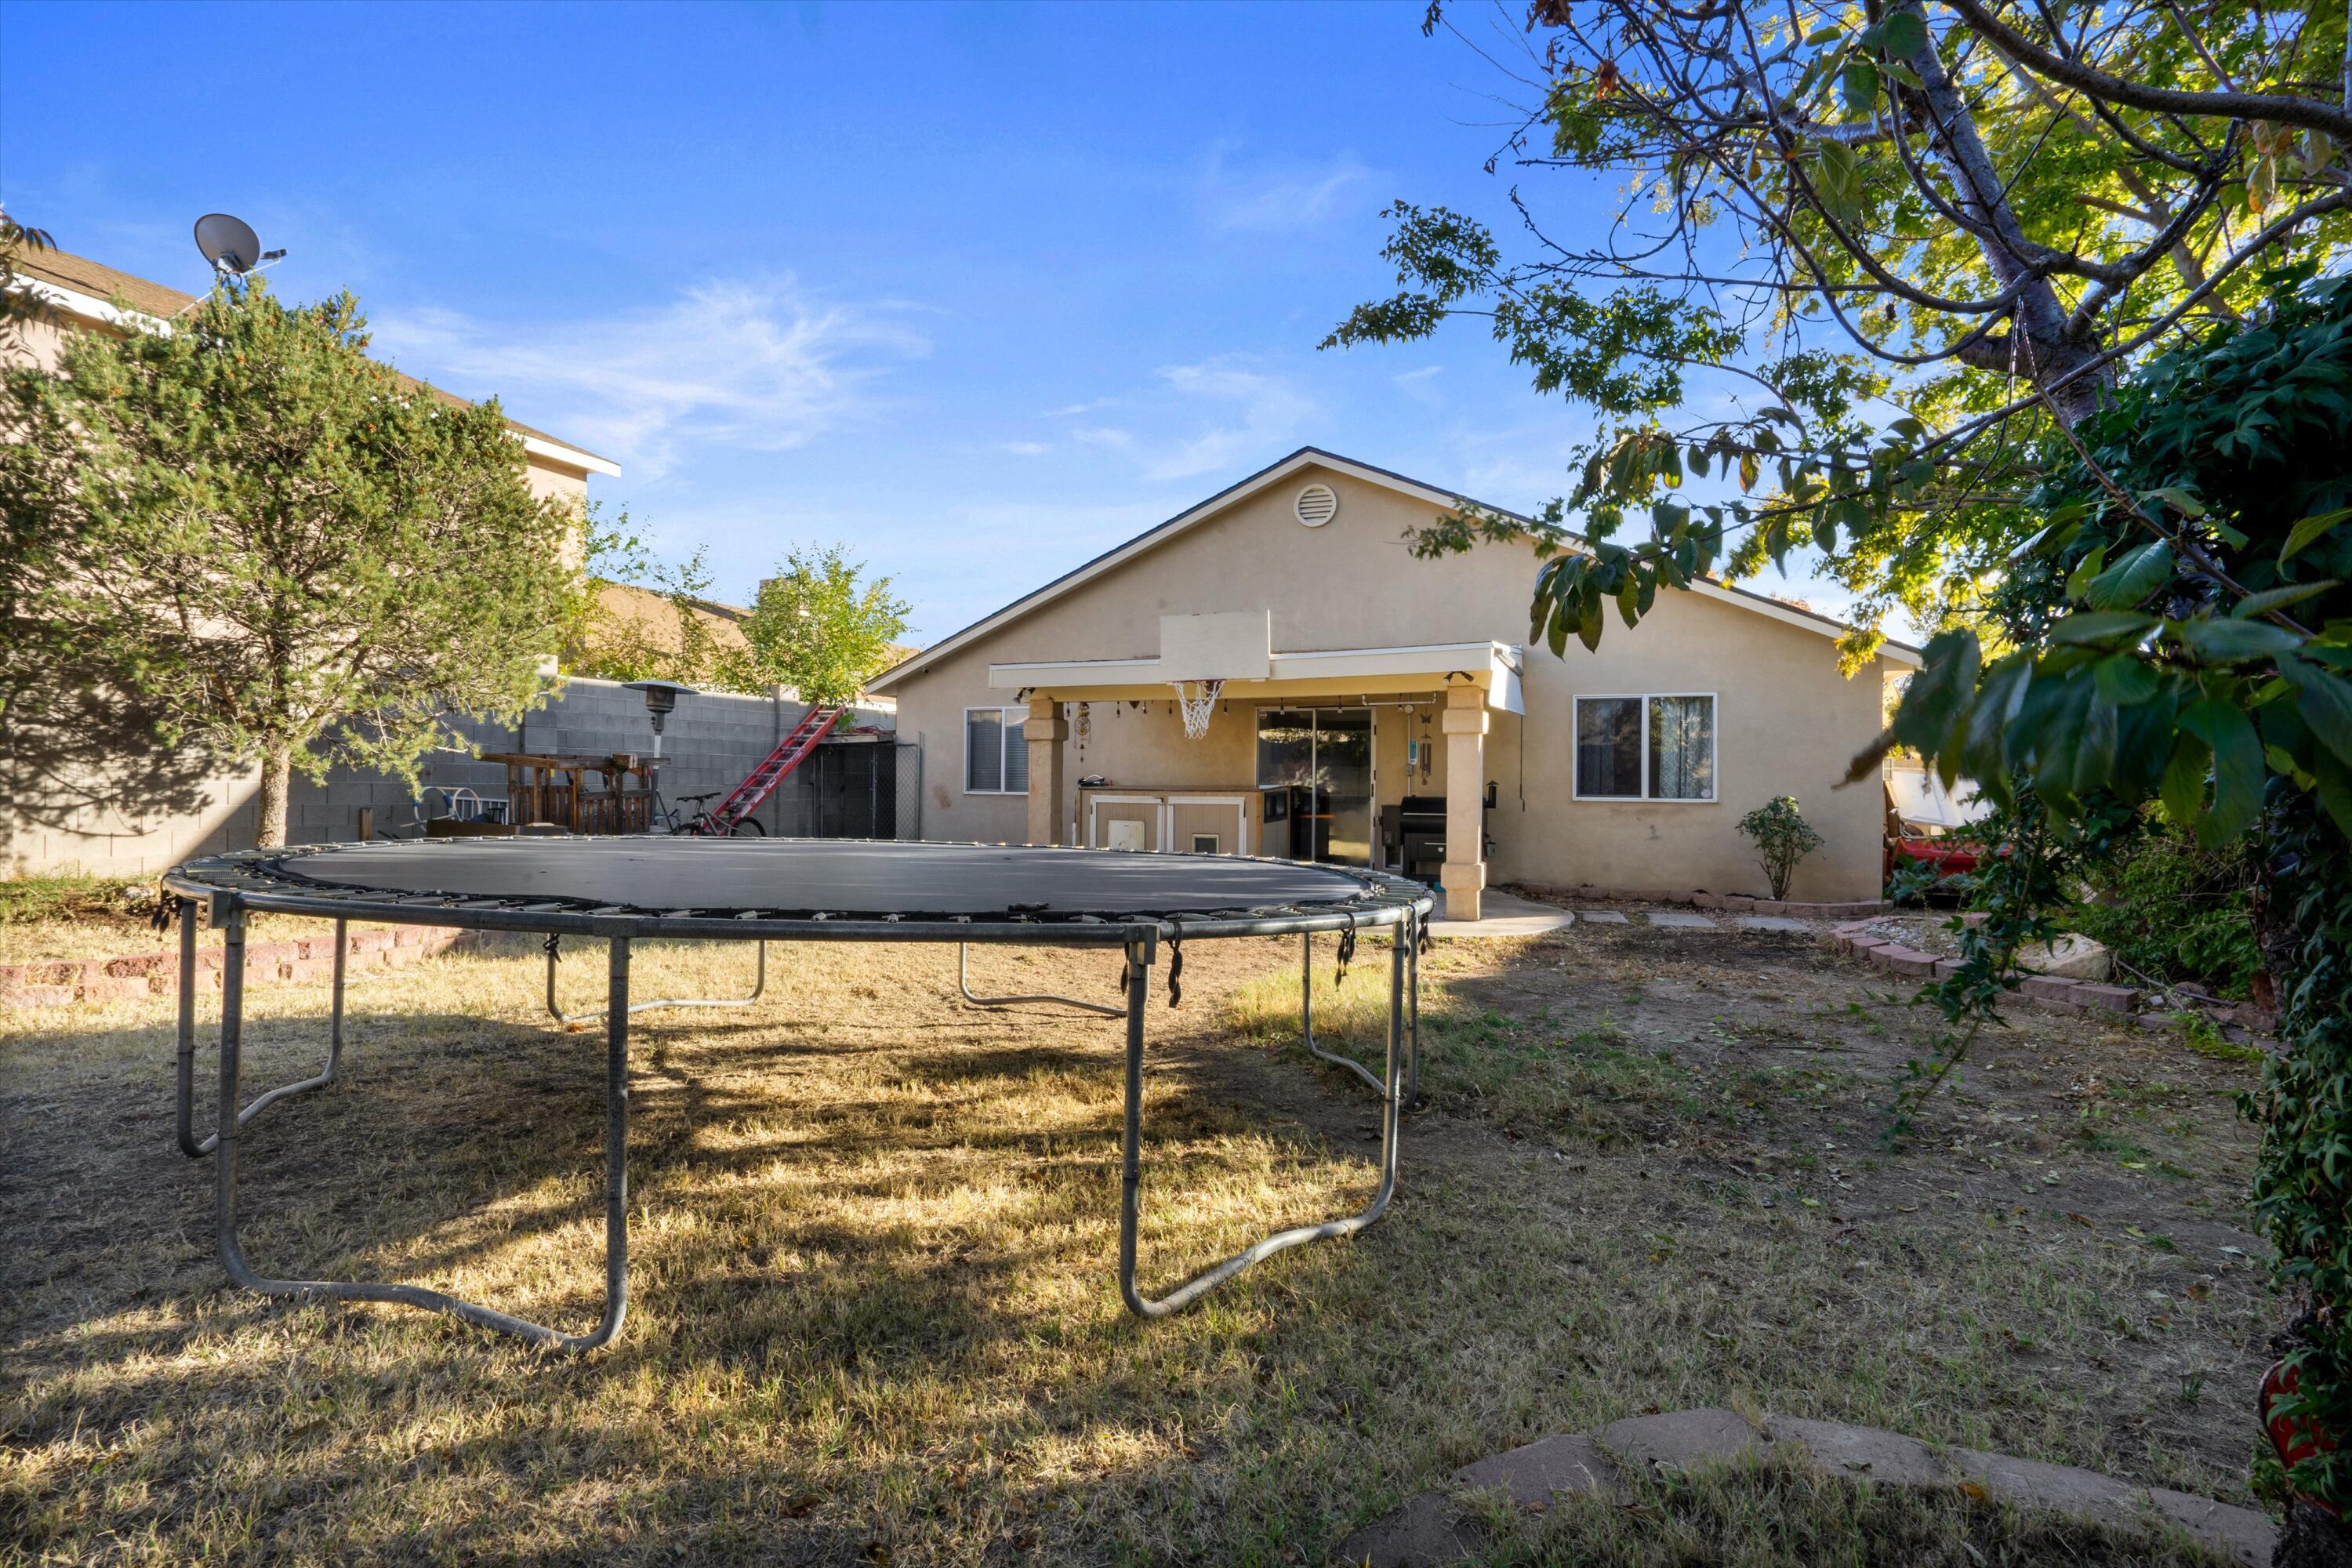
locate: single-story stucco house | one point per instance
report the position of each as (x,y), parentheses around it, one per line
(1367,694)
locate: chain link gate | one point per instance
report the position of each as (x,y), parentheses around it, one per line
(853,789)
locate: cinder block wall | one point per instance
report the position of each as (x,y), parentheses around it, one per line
(709,742)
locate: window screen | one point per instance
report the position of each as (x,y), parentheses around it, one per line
(1017,755)
(984,749)
(995,752)
(1682,748)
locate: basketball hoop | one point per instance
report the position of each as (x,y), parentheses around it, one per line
(1197,705)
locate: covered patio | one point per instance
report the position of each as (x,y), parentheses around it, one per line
(1333,754)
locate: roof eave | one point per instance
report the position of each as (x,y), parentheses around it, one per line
(1159,534)
(89,307)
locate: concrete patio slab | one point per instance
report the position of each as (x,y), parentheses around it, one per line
(1770,922)
(1502,914)
(1682,918)
(1602,917)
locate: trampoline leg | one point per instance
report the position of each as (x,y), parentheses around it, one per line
(1411,937)
(190,1144)
(963,983)
(554,947)
(617,1178)
(1307,1016)
(1138,960)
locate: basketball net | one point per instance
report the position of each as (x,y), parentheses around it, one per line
(1197,705)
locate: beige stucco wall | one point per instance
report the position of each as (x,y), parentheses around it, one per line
(1787,721)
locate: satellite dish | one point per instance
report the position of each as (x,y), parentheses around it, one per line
(229,243)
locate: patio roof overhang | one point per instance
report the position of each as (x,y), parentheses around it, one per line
(1315,674)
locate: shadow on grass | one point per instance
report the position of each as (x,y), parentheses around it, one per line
(874,1311)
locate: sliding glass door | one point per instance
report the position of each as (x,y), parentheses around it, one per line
(1324,757)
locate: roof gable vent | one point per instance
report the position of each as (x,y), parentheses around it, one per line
(1316,505)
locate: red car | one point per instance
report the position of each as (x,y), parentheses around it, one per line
(1946,857)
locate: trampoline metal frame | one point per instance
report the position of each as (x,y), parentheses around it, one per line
(190,1145)
(963,983)
(1412,1017)
(232,895)
(554,948)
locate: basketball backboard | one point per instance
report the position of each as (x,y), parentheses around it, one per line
(1234,645)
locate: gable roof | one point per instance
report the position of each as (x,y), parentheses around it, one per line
(1274,474)
(90,288)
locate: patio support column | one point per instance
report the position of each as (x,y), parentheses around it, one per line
(1046,731)
(1464,875)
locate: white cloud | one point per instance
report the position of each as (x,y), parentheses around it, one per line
(1276,196)
(1219,414)
(750,364)
(1027,448)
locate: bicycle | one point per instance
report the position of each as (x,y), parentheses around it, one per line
(701,825)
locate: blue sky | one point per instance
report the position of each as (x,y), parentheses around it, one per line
(977,291)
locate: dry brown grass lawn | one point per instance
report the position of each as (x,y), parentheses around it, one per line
(874,1312)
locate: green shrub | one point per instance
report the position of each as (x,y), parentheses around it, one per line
(2175,912)
(1782,838)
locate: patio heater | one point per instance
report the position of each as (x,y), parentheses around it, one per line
(661,697)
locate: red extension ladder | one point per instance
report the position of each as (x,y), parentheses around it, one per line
(760,782)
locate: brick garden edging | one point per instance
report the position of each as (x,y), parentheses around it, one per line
(2058,995)
(65,982)
(2047,990)
(1430,1530)
(1731,903)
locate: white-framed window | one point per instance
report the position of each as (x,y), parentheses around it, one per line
(995,751)
(1655,746)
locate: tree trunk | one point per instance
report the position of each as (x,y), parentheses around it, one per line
(277,780)
(2039,343)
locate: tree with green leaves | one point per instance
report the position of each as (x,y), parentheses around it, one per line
(623,637)
(2013,310)
(2180,630)
(1894,244)
(295,556)
(817,628)
(17,304)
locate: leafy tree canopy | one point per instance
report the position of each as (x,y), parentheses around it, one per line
(1892,246)
(295,555)
(2181,629)
(671,630)
(816,629)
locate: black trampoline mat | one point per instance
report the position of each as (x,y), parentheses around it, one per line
(851,879)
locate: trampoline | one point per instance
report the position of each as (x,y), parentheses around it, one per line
(620,890)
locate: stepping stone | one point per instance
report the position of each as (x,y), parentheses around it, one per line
(1864,1453)
(1423,1534)
(1602,917)
(1680,1437)
(1683,918)
(2245,1534)
(1770,922)
(1428,1531)
(1535,1474)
